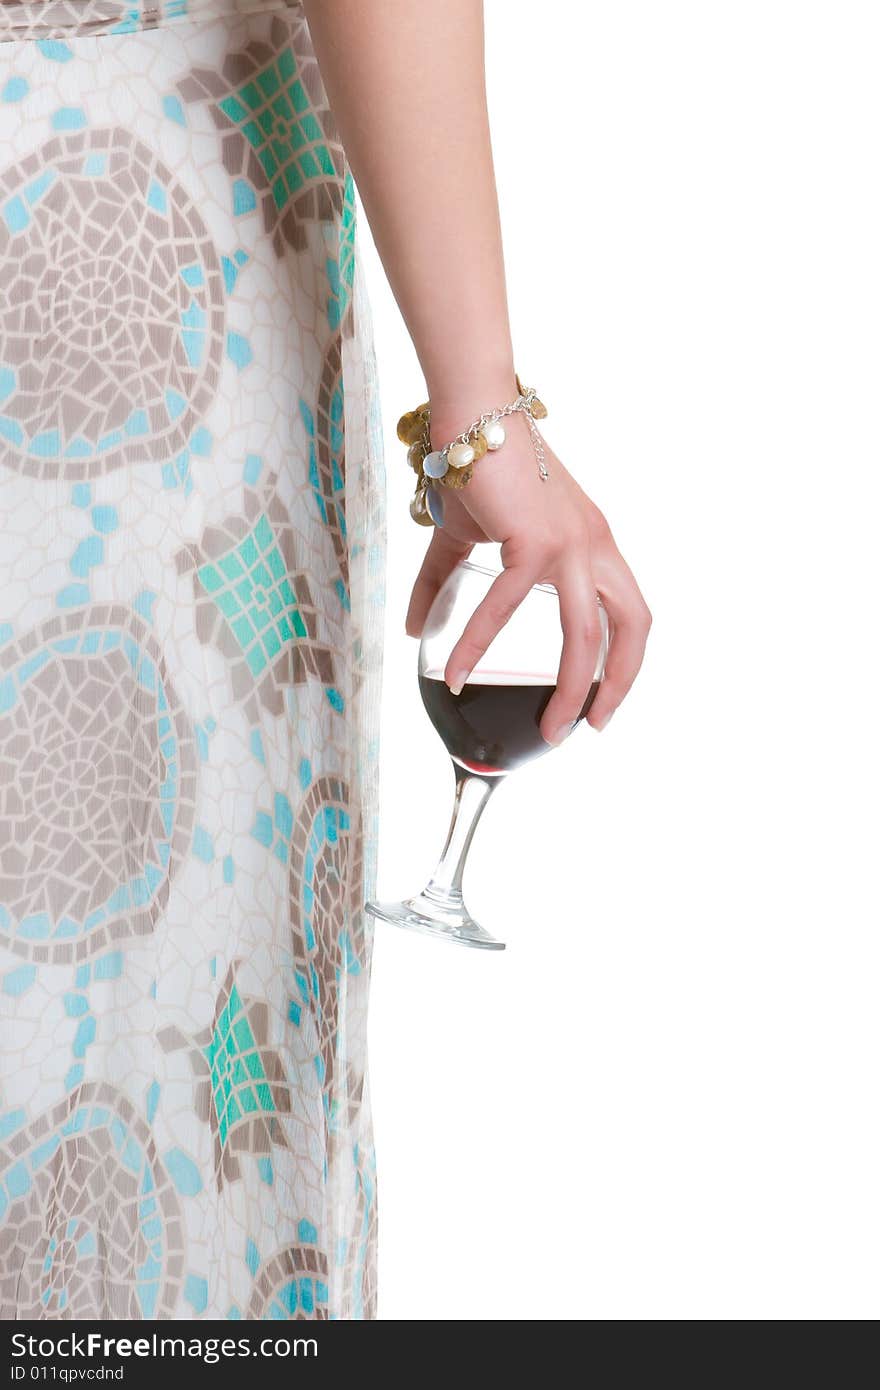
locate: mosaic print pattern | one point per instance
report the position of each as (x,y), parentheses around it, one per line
(84,1195)
(327,454)
(64,19)
(293,1285)
(44,18)
(325,866)
(111,308)
(253,602)
(97,784)
(277,132)
(241,1085)
(191,589)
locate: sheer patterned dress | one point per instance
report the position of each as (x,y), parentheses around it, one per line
(191,575)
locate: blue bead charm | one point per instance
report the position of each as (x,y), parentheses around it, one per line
(436,464)
(435,505)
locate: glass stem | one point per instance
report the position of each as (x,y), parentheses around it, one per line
(471,794)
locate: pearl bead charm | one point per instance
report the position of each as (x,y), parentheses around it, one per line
(494,434)
(435,464)
(460,455)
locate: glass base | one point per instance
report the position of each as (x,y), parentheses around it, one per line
(424,914)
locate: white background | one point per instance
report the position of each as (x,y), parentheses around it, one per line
(661,1101)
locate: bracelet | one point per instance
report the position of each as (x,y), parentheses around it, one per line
(453,465)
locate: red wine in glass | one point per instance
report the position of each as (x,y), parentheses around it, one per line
(492,726)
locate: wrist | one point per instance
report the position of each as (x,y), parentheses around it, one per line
(444,445)
(455,406)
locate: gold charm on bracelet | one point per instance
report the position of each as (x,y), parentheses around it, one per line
(457,477)
(418,508)
(411,426)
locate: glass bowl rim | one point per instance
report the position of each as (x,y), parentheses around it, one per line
(493,573)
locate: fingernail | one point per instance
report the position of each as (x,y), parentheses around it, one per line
(561,734)
(458,681)
(603,722)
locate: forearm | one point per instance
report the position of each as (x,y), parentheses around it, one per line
(406,81)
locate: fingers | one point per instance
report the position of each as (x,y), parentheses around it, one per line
(581,638)
(488,618)
(631,623)
(441,557)
(628,614)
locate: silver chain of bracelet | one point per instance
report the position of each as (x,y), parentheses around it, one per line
(521,404)
(538,446)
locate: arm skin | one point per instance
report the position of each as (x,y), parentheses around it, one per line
(406,81)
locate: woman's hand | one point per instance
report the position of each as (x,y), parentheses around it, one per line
(550,532)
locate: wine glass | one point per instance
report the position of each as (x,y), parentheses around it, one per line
(489,729)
